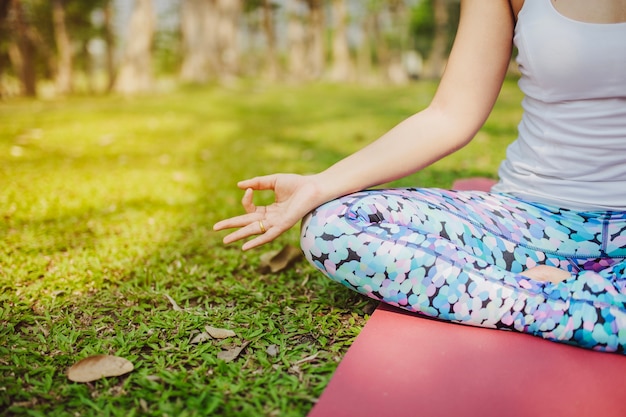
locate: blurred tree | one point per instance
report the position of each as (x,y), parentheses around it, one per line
(260,38)
(109,40)
(269,28)
(385,28)
(396,35)
(4,36)
(54,39)
(433,25)
(306,53)
(64,48)
(365,19)
(135,73)
(86,21)
(315,38)
(380,46)
(53,36)
(210,34)
(4,11)
(229,13)
(197,24)
(342,65)
(436,60)
(296,41)
(21,49)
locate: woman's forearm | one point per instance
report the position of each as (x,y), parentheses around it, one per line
(467,92)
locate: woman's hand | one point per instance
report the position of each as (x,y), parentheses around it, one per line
(295,196)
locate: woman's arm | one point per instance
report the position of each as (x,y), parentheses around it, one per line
(465,96)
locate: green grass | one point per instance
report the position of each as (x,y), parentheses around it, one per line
(107,206)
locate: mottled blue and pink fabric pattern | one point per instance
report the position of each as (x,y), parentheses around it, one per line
(460,255)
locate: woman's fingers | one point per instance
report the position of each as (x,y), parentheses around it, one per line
(266,182)
(246,201)
(271,234)
(237,221)
(250,229)
(252,213)
(258,219)
(265,233)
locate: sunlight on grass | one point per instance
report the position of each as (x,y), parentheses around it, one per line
(107,206)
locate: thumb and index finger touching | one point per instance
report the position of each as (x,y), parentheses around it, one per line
(253,214)
(266,182)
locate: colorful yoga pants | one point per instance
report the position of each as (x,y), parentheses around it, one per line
(460,256)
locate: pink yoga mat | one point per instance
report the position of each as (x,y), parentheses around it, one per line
(406,365)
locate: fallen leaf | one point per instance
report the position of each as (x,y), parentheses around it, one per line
(200,338)
(369,308)
(217,333)
(42,329)
(96,367)
(233,353)
(272,350)
(276,261)
(175,306)
(310,358)
(295,370)
(144,405)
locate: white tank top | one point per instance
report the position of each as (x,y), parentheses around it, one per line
(571,148)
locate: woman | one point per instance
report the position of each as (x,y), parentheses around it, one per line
(543,252)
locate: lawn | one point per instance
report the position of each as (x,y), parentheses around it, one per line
(106,246)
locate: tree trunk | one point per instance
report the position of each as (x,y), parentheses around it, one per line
(4,11)
(109,39)
(383,55)
(396,72)
(136,70)
(63,79)
(316,39)
(22,50)
(198,22)
(271,65)
(4,34)
(342,66)
(229,12)
(434,66)
(296,42)
(364,70)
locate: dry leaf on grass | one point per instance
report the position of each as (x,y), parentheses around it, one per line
(217,333)
(295,369)
(310,358)
(200,338)
(173,302)
(277,261)
(272,350)
(212,333)
(144,405)
(96,367)
(233,353)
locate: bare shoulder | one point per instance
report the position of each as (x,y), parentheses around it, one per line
(512,7)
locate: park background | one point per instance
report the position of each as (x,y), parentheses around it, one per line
(124,127)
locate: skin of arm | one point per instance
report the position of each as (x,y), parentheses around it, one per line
(464,99)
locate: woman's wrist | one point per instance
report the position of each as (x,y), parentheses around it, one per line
(329,185)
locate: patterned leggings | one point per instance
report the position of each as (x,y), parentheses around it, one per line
(459,256)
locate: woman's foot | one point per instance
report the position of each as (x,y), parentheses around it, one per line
(547,273)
